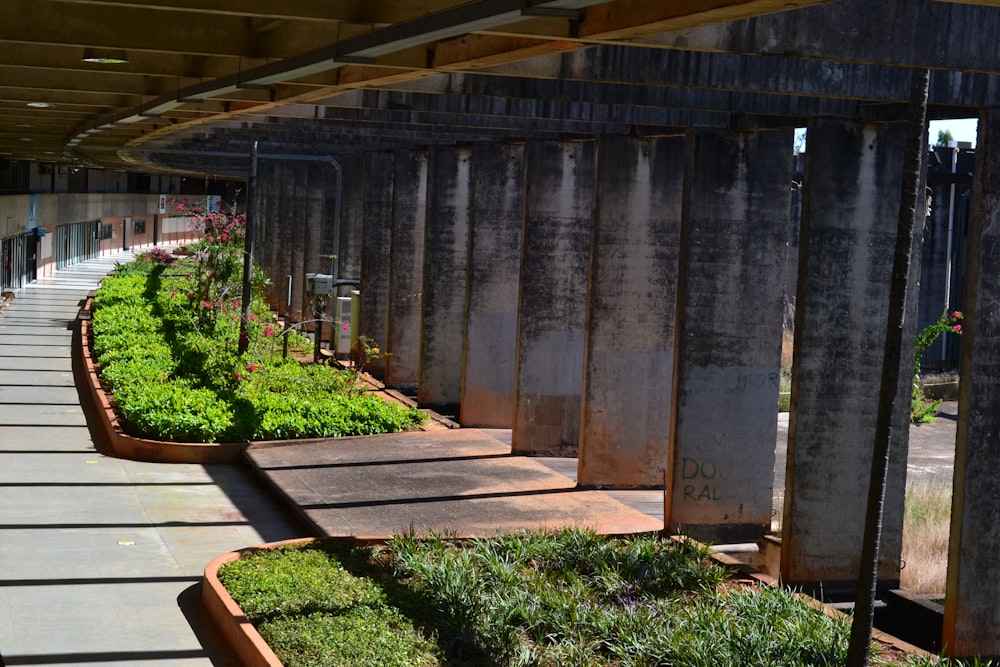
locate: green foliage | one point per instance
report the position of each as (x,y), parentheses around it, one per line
(170,359)
(568,597)
(311,611)
(174,411)
(922,409)
(944,137)
(379,637)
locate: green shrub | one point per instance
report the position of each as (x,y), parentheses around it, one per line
(170,357)
(174,411)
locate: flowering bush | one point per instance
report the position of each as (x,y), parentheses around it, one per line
(155,256)
(922,410)
(219,262)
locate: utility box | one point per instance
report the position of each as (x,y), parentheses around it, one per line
(319,284)
(343,326)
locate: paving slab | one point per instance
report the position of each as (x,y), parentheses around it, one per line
(463,483)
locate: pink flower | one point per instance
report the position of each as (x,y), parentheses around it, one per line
(957,328)
(180,207)
(236,303)
(207,304)
(251,368)
(210,239)
(252,318)
(218,304)
(239,376)
(173,294)
(268,331)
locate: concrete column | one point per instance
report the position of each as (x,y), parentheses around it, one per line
(295,221)
(376,242)
(282,203)
(316,178)
(972,602)
(446,264)
(352,214)
(553,297)
(406,273)
(265,242)
(494,266)
(850,213)
(628,376)
(730,300)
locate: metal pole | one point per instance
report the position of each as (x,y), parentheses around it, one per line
(859,648)
(951,234)
(288,320)
(248,253)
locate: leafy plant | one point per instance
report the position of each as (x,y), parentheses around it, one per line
(176,378)
(922,409)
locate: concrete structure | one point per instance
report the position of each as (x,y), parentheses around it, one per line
(596,234)
(848,235)
(733,244)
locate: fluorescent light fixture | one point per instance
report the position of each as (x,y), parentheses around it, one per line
(40,105)
(104,57)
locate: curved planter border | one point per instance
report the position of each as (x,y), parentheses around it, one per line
(238,631)
(253,651)
(130,447)
(157,451)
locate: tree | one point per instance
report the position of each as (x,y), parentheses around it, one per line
(944,138)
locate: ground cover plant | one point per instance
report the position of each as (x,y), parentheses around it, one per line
(568,597)
(165,336)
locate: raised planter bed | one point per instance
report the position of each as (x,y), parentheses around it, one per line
(128,446)
(253,651)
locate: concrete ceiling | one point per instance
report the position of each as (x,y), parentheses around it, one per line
(204,71)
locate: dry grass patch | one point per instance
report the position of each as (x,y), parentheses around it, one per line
(926,526)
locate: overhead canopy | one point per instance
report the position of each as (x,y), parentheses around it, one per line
(131,83)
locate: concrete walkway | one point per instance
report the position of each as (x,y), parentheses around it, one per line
(101,558)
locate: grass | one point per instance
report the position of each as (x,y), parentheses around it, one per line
(568,597)
(926,526)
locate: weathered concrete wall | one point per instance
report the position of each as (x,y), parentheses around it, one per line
(376,248)
(406,273)
(850,214)
(729,318)
(553,297)
(446,262)
(972,603)
(498,185)
(628,376)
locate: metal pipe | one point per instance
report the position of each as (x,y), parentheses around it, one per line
(947,265)
(244,342)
